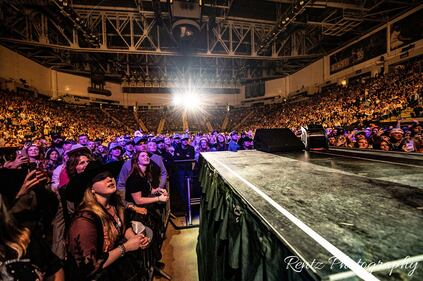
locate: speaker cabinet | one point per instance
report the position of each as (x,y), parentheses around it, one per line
(277,140)
(314,137)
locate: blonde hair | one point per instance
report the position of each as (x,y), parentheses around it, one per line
(89,203)
(11,235)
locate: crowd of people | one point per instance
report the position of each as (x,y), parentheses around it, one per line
(24,116)
(370,100)
(85,199)
(90,209)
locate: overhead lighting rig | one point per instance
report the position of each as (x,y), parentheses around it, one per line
(288,17)
(66,10)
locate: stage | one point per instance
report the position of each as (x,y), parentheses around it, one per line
(331,214)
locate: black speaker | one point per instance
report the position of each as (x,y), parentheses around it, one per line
(277,140)
(314,137)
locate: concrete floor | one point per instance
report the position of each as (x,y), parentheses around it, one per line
(179,254)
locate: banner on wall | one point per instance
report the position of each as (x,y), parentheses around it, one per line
(365,49)
(407,30)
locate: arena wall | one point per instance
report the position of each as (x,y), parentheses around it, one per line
(55,84)
(14,67)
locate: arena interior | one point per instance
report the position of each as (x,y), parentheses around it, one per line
(211,140)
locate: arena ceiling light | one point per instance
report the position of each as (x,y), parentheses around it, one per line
(191,101)
(178,100)
(188,101)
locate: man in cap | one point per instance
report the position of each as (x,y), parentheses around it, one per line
(121,141)
(162,151)
(129,150)
(138,133)
(115,152)
(139,143)
(233,143)
(176,140)
(184,153)
(397,139)
(247,144)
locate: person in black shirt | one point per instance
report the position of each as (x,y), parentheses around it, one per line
(184,153)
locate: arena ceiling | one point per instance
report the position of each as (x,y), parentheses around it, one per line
(221,41)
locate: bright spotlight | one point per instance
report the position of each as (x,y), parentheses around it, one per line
(177,100)
(191,101)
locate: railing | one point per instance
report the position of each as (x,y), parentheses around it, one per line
(188,185)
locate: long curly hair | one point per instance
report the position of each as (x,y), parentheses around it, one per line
(135,168)
(89,203)
(11,236)
(73,162)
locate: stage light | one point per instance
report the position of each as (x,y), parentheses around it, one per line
(177,100)
(188,101)
(191,101)
(301,3)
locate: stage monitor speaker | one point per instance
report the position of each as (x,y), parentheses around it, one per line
(314,137)
(277,140)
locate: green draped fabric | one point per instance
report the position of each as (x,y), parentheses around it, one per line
(233,243)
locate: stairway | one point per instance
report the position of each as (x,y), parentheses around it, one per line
(116,120)
(237,126)
(140,122)
(208,125)
(185,123)
(161,125)
(225,122)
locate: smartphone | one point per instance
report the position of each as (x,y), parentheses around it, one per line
(32,166)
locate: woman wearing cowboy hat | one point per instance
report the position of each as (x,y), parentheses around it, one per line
(98,239)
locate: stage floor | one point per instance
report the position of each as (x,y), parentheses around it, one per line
(369,210)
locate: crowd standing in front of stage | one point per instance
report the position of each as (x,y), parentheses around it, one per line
(78,181)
